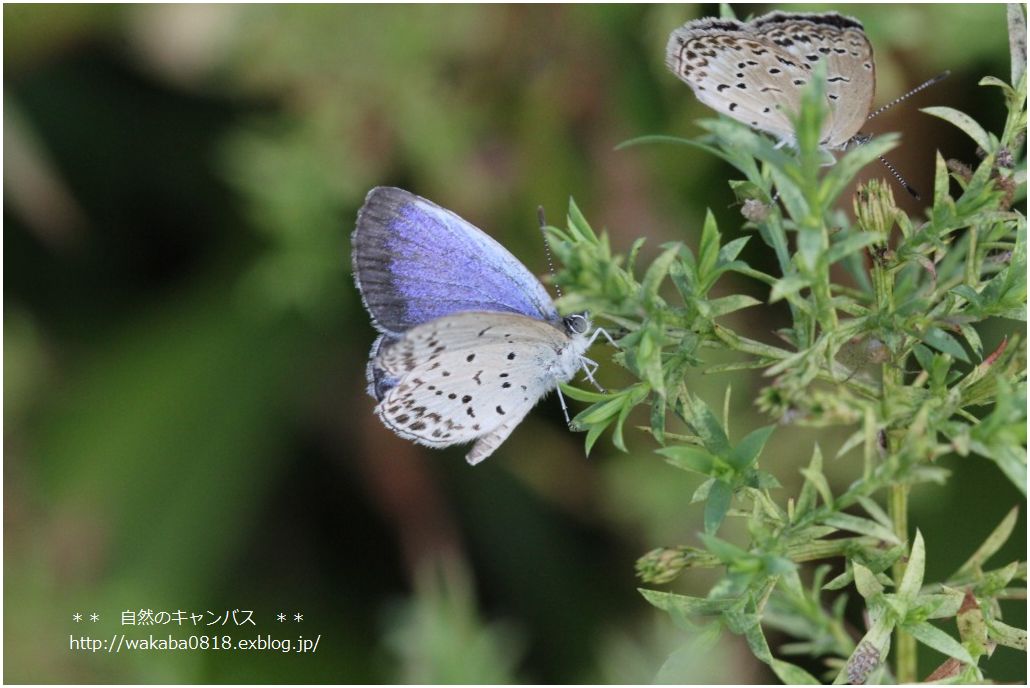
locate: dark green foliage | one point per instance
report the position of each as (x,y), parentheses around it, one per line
(923,286)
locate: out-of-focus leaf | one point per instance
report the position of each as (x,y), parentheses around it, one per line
(998,537)
(719,497)
(963,122)
(863,526)
(931,636)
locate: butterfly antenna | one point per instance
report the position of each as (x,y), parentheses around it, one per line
(883,108)
(926,84)
(901,180)
(547,246)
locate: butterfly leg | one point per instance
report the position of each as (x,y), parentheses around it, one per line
(564,408)
(588,372)
(600,331)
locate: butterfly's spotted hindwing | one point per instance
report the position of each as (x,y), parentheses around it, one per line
(754,71)
(471,376)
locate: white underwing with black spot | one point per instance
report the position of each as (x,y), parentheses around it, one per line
(469,339)
(755,71)
(454,381)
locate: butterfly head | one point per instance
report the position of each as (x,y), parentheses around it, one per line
(577,323)
(859,139)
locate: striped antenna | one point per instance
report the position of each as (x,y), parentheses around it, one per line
(547,246)
(884,108)
(901,180)
(926,84)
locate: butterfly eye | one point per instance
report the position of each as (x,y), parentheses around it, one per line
(577,323)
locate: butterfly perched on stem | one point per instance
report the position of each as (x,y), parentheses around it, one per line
(470,340)
(755,71)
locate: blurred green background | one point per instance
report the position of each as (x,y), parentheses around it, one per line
(185,419)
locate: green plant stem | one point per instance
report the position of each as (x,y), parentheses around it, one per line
(906,667)
(905,645)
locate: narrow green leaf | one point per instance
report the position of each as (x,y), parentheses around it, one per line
(706,426)
(647,359)
(876,511)
(790,193)
(852,243)
(579,224)
(995,81)
(973,338)
(815,484)
(693,459)
(963,122)
(865,581)
(793,675)
(810,248)
(941,184)
(719,497)
(679,141)
(617,438)
(593,434)
(658,406)
(756,639)
(787,286)
(969,294)
(601,411)
(924,356)
(747,451)
(701,493)
(634,251)
(583,394)
(931,636)
(942,341)
(1006,635)
(708,251)
(862,526)
(657,272)
(685,605)
(729,252)
(840,582)
(730,304)
(939,605)
(998,537)
(856,438)
(912,581)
